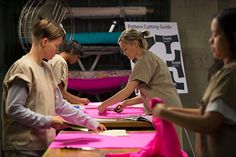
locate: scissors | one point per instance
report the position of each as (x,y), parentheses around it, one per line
(118,109)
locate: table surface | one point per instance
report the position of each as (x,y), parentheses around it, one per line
(117,120)
(98,152)
(141,126)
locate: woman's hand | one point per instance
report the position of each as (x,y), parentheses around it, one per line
(58,123)
(100,128)
(158,109)
(101,109)
(84,101)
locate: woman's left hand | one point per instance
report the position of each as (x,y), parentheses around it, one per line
(100,128)
(84,101)
(101,109)
(157,110)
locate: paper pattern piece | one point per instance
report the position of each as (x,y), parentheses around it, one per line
(76,139)
(114,132)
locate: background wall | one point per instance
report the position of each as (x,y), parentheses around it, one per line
(194,18)
(10,49)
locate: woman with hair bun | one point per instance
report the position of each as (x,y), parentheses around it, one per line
(150,75)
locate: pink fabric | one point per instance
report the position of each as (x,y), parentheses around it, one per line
(98,85)
(76,139)
(111,114)
(164,144)
(154,101)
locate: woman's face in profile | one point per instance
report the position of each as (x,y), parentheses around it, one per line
(51,48)
(73,58)
(218,42)
(129,49)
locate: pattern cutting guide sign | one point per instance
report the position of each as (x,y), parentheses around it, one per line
(164,42)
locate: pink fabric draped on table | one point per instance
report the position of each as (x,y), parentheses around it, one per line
(77,139)
(92,111)
(164,144)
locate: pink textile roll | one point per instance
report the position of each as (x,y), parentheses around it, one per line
(98,85)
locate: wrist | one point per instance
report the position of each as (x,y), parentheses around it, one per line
(124,103)
(48,122)
(162,111)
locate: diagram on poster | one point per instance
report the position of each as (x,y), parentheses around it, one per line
(164,42)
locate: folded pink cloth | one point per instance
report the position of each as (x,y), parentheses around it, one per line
(164,144)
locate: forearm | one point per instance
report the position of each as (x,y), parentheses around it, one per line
(73,115)
(123,94)
(15,108)
(185,120)
(196,122)
(118,97)
(28,118)
(195,111)
(132,101)
(69,97)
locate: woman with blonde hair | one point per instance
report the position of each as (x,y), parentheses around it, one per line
(150,75)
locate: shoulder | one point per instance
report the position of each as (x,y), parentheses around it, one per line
(225,78)
(57,59)
(151,59)
(228,71)
(231,68)
(22,64)
(21,69)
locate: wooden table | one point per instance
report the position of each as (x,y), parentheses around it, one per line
(126,124)
(57,152)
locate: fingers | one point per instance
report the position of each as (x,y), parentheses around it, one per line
(104,113)
(101,110)
(57,122)
(100,128)
(84,101)
(57,119)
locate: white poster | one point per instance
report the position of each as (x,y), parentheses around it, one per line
(164,42)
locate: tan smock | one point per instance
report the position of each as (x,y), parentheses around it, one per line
(220,143)
(40,99)
(155,80)
(60,70)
